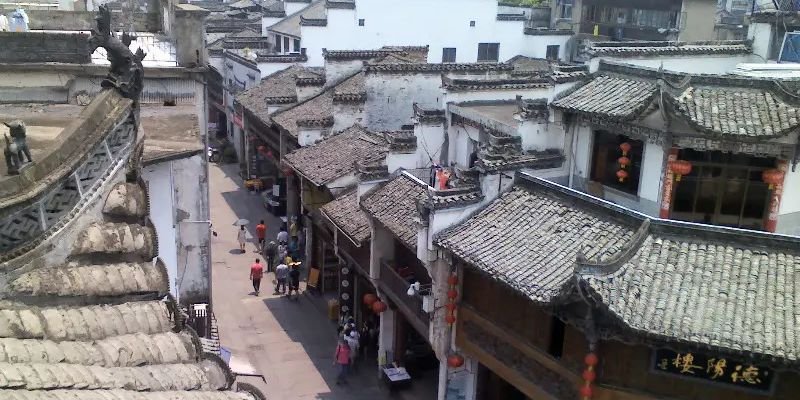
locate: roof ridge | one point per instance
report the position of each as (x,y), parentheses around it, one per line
(327,90)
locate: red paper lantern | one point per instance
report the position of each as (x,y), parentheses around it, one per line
(450,307)
(590,359)
(586,391)
(452,294)
(369,299)
(378,307)
(622,175)
(680,168)
(589,375)
(625,147)
(773,177)
(624,161)
(287,171)
(452,279)
(450,318)
(455,360)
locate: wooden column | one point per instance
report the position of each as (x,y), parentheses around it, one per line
(775,199)
(668,185)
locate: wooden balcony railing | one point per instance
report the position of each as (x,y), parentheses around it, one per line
(397,286)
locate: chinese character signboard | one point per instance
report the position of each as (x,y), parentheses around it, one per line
(715,369)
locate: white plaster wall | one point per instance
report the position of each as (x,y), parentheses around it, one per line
(541,136)
(266,22)
(162,215)
(652,172)
(583,151)
(342,182)
(347,114)
(217,62)
(307,137)
(761,34)
(686,64)
(441,23)
(269,68)
(191,213)
(395,161)
(536,45)
(430,144)
(306,92)
(460,147)
(336,70)
(390,98)
(790,202)
(292,7)
(498,95)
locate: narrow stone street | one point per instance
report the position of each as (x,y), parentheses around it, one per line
(290,342)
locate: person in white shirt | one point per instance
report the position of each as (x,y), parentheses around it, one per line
(241,237)
(283,235)
(281,275)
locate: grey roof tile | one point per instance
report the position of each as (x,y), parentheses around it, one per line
(345,213)
(318,110)
(614,97)
(336,156)
(742,112)
(531,240)
(394,205)
(719,289)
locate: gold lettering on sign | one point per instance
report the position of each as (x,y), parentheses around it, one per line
(685,363)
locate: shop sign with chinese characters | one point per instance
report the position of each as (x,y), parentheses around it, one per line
(714,368)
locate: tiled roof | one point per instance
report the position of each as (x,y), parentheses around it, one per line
(351,90)
(345,213)
(659,281)
(458,85)
(401,141)
(742,112)
(663,48)
(437,68)
(335,156)
(291,24)
(277,88)
(611,96)
(710,287)
(530,240)
(394,205)
(318,110)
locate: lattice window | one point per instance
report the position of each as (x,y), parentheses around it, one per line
(61,201)
(120,138)
(19,228)
(94,167)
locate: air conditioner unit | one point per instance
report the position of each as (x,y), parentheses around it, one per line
(427,304)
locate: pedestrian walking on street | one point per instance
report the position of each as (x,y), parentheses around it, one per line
(294,279)
(294,228)
(261,234)
(352,341)
(281,274)
(341,359)
(256,272)
(269,253)
(241,237)
(283,236)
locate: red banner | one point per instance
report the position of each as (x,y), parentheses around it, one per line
(237,120)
